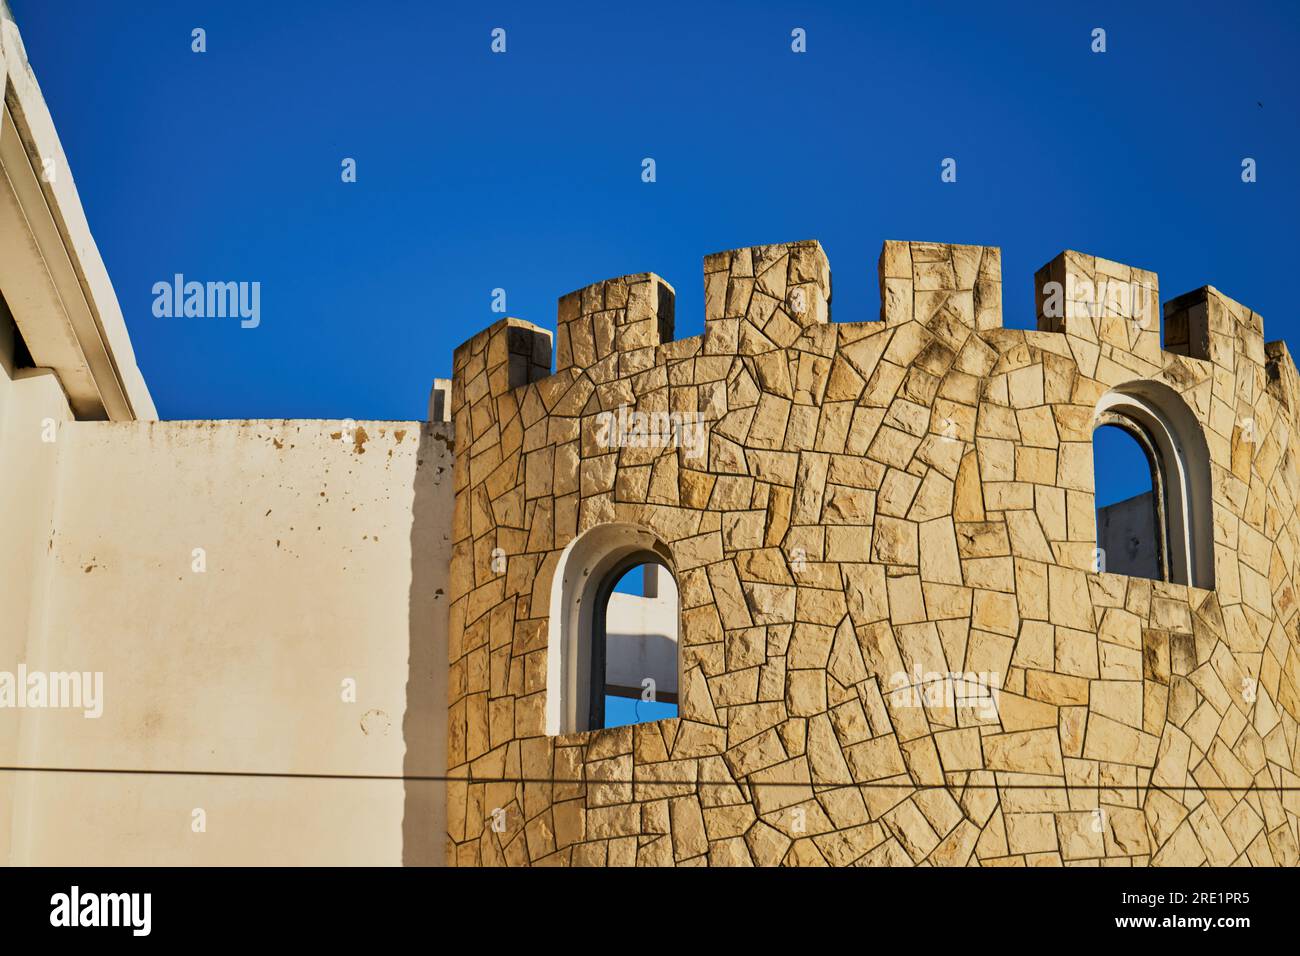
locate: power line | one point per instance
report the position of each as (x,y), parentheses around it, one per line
(561,781)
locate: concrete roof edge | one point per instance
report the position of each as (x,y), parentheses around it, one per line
(119,380)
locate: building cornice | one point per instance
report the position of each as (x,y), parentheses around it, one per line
(51,272)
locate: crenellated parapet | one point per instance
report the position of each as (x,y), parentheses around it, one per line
(763,298)
(847,507)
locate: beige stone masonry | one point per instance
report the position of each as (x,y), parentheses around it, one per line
(893,647)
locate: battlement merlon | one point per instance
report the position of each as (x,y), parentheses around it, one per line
(512,352)
(1206,324)
(762,298)
(1101,302)
(922,280)
(611,328)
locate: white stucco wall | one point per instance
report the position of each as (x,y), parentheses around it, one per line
(326,560)
(326,557)
(641,635)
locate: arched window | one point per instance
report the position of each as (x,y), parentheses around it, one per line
(612,648)
(1152,483)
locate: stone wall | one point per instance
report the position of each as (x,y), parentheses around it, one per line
(878,502)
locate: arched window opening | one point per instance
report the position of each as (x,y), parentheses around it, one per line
(1130,502)
(612,642)
(1152,484)
(634,667)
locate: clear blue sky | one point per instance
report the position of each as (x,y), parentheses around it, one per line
(1121,466)
(522,171)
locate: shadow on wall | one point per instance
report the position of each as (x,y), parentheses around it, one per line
(424,730)
(1126,535)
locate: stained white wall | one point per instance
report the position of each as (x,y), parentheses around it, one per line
(326,560)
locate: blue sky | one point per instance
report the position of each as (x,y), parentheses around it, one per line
(522,171)
(1121,466)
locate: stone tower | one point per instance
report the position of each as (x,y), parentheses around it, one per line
(898,642)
